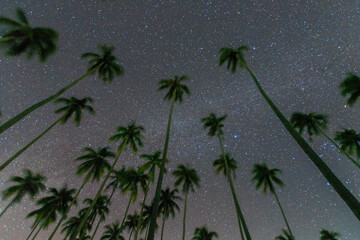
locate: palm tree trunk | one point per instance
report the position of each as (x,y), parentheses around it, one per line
(141,212)
(125,215)
(341,190)
(147,231)
(72,202)
(36,233)
(28,145)
(81,225)
(162,228)
(131,233)
(184,219)
(240,217)
(160,179)
(100,220)
(9,205)
(33,229)
(338,147)
(282,212)
(32,108)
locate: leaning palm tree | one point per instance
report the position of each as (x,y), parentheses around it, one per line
(203,233)
(31,184)
(57,202)
(24,39)
(168,206)
(235,58)
(351,86)
(315,124)
(349,142)
(176,90)
(94,166)
(106,65)
(215,125)
(112,232)
(131,223)
(266,178)
(287,236)
(188,178)
(100,208)
(69,227)
(72,106)
(129,136)
(326,235)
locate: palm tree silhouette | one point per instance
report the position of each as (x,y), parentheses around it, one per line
(100,208)
(131,223)
(215,125)
(72,223)
(94,166)
(106,66)
(129,136)
(112,232)
(31,184)
(235,58)
(287,236)
(168,205)
(22,38)
(349,142)
(315,124)
(72,106)
(326,235)
(176,90)
(203,233)
(351,86)
(146,217)
(266,178)
(57,202)
(188,178)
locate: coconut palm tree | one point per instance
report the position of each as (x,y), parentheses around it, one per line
(349,142)
(266,178)
(72,106)
(235,58)
(146,217)
(129,136)
(326,235)
(351,86)
(57,202)
(168,206)
(203,233)
(31,184)
(72,223)
(188,178)
(215,124)
(315,124)
(176,91)
(112,232)
(106,66)
(24,39)
(131,223)
(94,166)
(287,236)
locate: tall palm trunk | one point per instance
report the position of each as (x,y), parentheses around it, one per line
(32,108)
(9,205)
(28,145)
(81,225)
(71,204)
(282,212)
(37,233)
(184,219)
(131,233)
(100,220)
(338,147)
(341,190)
(147,231)
(33,229)
(160,179)
(162,228)
(125,215)
(240,217)
(141,212)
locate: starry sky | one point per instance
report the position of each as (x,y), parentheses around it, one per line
(299,49)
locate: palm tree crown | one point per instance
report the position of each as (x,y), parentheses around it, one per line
(265,177)
(153,161)
(214,125)
(349,141)
(74,105)
(203,233)
(233,57)
(130,135)
(112,232)
(220,164)
(95,162)
(312,122)
(168,203)
(176,88)
(22,38)
(351,86)
(187,177)
(132,179)
(287,236)
(326,235)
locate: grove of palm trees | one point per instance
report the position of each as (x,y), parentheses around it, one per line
(193,120)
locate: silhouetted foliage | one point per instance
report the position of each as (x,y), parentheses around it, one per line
(351,86)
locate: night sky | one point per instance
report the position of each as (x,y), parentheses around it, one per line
(299,50)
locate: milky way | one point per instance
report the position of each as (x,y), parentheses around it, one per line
(299,50)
